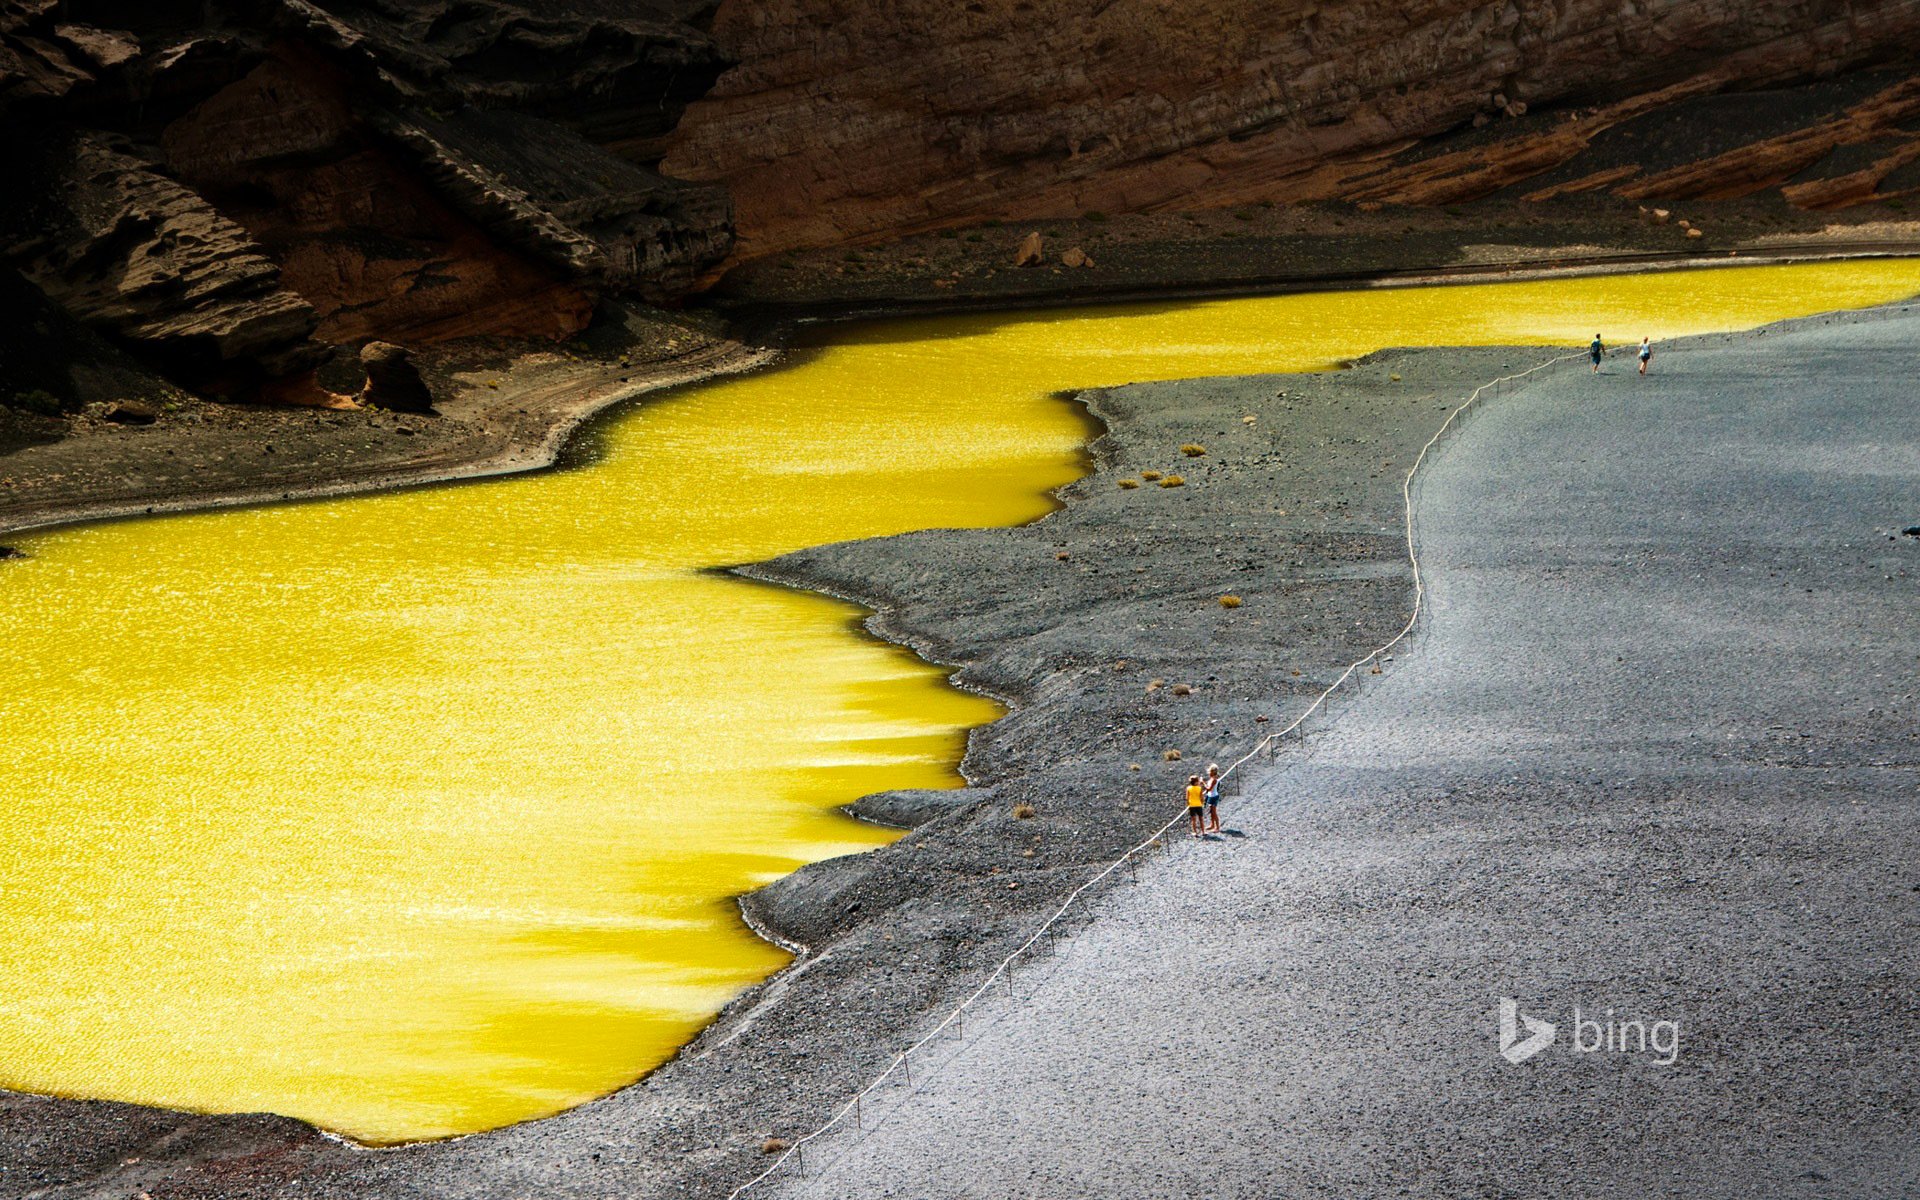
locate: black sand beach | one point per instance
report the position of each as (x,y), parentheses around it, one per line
(1646,771)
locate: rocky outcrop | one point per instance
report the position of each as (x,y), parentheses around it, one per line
(393,382)
(359,231)
(552,193)
(322,172)
(120,246)
(845,122)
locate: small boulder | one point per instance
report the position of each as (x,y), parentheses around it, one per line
(393,382)
(1694,233)
(1912,531)
(131,412)
(909,808)
(1076,257)
(1029,254)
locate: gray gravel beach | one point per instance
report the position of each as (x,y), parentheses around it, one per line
(1652,754)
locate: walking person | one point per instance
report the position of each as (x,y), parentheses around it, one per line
(1596,351)
(1646,354)
(1210,792)
(1196,813)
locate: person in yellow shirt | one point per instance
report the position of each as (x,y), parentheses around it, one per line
(1196,803)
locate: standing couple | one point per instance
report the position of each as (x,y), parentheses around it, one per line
(1203,802)
(1598,350)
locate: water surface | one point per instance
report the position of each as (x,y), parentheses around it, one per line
(421,813)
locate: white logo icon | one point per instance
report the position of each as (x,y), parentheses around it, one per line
(1539,1033)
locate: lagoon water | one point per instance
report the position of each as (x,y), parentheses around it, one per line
(422,813)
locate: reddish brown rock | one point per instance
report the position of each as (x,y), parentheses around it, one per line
(358,232)
(126,249)
(393,382)
(854,121)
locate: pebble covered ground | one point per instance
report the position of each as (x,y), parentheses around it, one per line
(1650,758)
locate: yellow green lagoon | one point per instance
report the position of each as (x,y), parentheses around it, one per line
(421,813)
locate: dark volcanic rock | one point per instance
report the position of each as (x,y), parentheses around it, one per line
(122,247)
(402,170)
(546,189)
(393,381)
(910,808)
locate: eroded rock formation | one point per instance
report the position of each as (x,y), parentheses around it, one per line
(130,251)
(229,186)
(392,379)
(846,121)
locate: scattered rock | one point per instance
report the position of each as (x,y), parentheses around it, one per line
(131,412)
(393,382)
(909,808)
(1076,257)
(1029,254)
(1694,233)
(1912,531)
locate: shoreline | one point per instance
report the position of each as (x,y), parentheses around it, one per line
(825,314)
(569,398)
(1353,565)
(580,398)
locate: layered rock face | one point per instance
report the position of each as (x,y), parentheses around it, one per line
(851,120)
(230,186)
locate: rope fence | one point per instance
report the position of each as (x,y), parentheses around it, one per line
(1003,970)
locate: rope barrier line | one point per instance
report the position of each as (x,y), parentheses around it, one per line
(1004,967)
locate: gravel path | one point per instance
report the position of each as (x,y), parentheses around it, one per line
(1652,754)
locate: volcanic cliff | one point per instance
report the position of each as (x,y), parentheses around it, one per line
(231,187)
(859,121)
(228,189)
